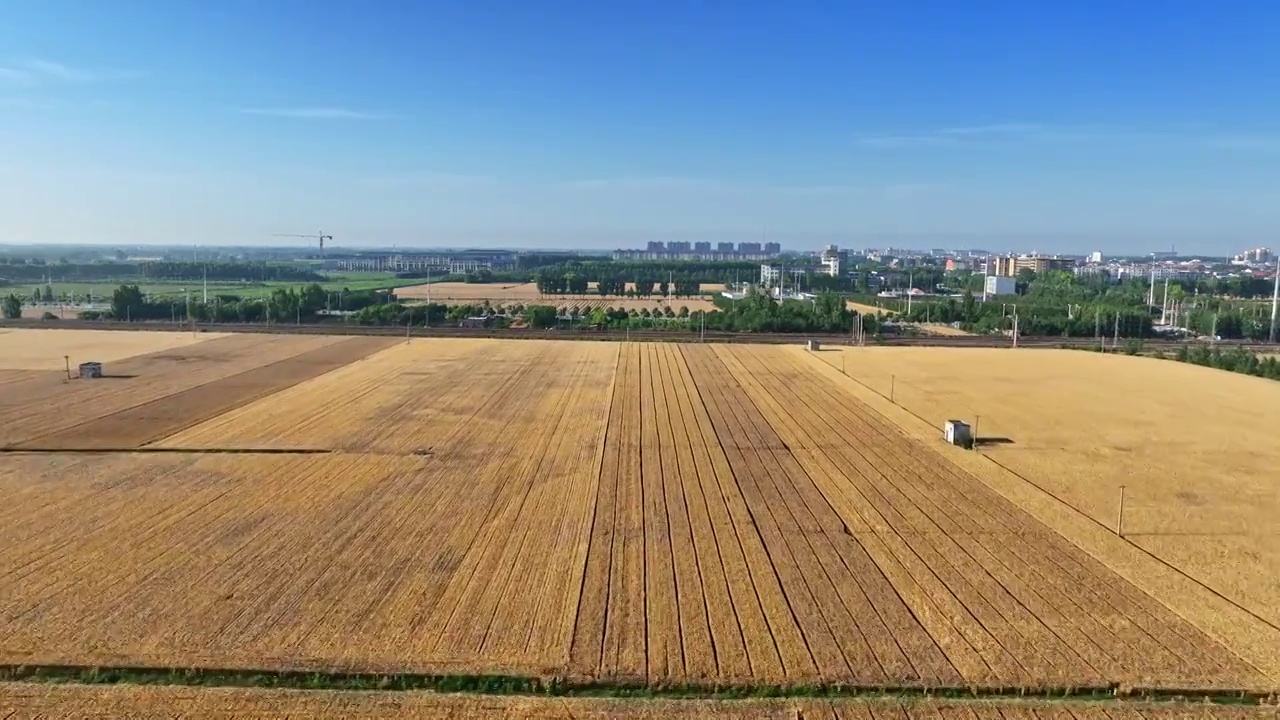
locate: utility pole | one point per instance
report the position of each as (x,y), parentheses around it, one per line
(1151,293)
(1275,300)
(1015,330)
(1097,329)
(1120,514)
(1164,304)
(1116,344)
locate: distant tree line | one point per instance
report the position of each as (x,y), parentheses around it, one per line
(129,303)
(1236,359)
(158,270)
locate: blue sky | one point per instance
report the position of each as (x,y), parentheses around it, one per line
(1128,126)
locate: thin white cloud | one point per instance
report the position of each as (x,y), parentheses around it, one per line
(1249,143)
(956,135)
(691,184)
(426,178)
(645,181)
(58,71)
(22,104)
(16,76)
(1012,128)
(905,191)
(315,113)
(902,141)
(48,72)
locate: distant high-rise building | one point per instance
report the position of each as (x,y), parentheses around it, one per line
(702,247)
(749,247)
(1011,265)
(1095,257)
(770,275)
(833,261)
(656,246)
(724,247)
(773,248)
(678,247)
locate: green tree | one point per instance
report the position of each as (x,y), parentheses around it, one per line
(127,303)
(540,316)
(11,307)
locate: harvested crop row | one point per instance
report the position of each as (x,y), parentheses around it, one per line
(750,587)
(399,400)
(808,591)
(943,525)
(899,641)
(885,494)
(868,604)
(1152,638)
(1128,621)
(678,473)
(323,561)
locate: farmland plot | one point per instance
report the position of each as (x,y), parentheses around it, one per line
(1195,448)
(752,521)
(39,406)
(642,513)
(31,349)
(461,559)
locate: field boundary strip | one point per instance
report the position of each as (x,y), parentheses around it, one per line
(530,685)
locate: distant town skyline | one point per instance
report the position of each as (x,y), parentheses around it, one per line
(851,245)
(1011,126)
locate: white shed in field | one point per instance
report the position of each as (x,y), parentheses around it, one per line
(957,433)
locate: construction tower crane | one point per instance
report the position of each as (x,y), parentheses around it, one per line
(318,236)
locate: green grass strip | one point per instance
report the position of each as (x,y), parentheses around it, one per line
(498,684)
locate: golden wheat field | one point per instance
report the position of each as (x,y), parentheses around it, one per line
(69,701)
(1196,448)
(636,513)
(25,349)
(459,293)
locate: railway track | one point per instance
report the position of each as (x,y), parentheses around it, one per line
(976,341)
